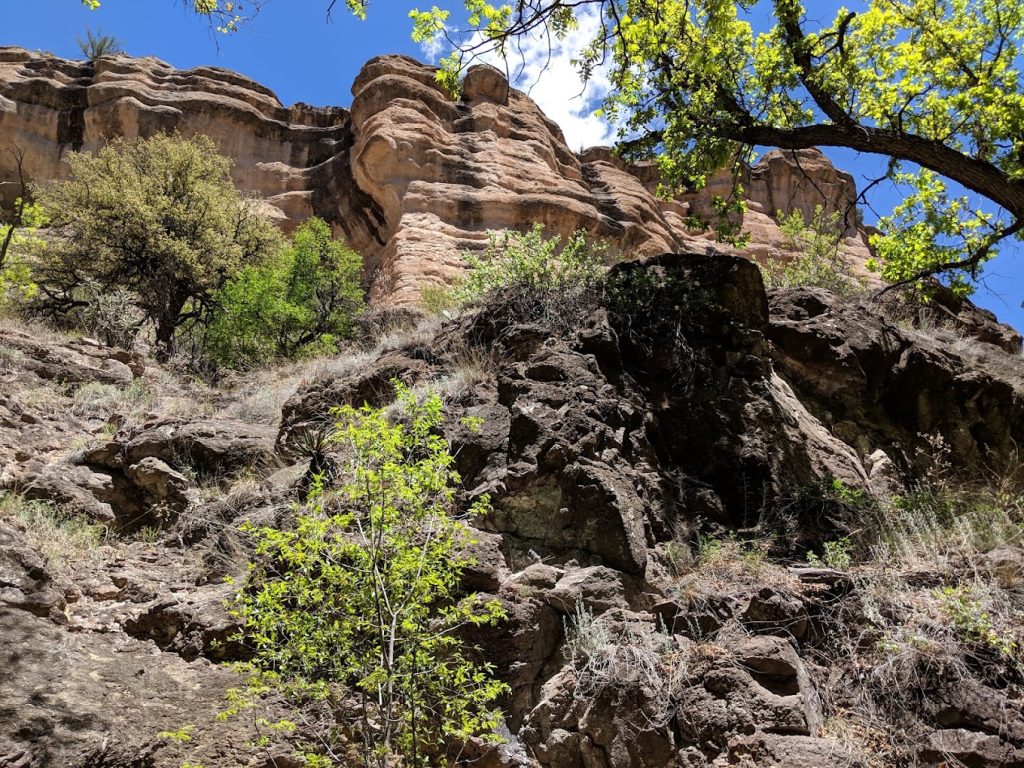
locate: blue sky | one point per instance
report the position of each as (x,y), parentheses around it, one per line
(291,48)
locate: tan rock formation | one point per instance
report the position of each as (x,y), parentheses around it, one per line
(409,176)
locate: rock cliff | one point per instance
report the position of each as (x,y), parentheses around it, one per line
(410,176)
(660,468)
(665,456)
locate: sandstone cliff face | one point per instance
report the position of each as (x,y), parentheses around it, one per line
(410,176)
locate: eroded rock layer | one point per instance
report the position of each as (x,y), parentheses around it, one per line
(408,175)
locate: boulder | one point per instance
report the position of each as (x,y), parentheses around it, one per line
(878,386)
(26,583)
(781,751)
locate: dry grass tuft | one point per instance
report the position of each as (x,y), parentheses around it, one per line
(936,601)
(720,564)
(61,537)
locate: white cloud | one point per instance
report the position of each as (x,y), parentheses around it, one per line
(433,47)
(543,68)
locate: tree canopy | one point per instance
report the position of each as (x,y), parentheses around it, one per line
(305,301)
(931,84)
(159,217)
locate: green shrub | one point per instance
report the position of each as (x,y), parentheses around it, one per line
(819,261)
(835,554)
(437,300)
(969,617)
(363,594)
(96,45)
(159,218)
(525,261)
(20,245)
(538,279)
(304,302)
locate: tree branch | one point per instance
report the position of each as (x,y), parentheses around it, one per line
(977,175)
(798,46)
(971,263)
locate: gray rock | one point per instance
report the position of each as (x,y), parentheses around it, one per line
(969,749)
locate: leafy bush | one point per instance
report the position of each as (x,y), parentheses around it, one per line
(835,554)
(157,217)
(966,611)
(362,594)
(20,245)
(305,301)
(96,45)
(819,261)
(539,279)
(437,300)
(527,262)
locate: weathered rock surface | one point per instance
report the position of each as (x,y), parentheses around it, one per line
(867,377)
(90,699)
(411,177)
(687,403)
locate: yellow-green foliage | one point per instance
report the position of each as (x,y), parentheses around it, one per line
(539,277)
(225,15)
(972,621)
(933,83)
(527,261)
(835,554)
(20,245)
(363,593)
(180,735)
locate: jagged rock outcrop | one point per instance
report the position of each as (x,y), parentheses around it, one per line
(687,403)
(410,176)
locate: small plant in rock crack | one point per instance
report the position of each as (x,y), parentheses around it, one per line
(835,554)
(357,608)
(180,735)
(971,620)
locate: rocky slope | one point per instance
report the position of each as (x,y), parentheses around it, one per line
(410,176)
(656,461)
